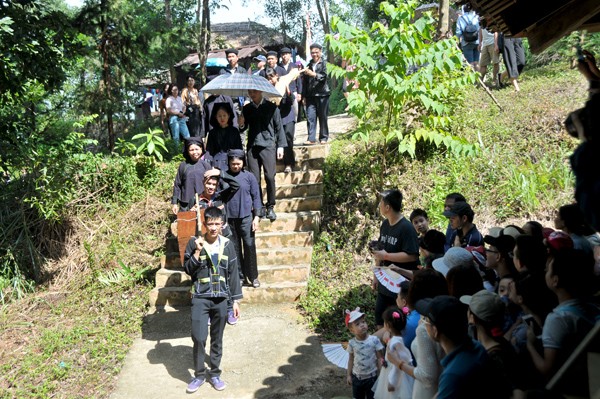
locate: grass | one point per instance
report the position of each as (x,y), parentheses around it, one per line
(520,172)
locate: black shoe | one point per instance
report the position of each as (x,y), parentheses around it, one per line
(271,214)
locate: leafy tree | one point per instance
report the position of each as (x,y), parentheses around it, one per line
(409,85)
(37,45)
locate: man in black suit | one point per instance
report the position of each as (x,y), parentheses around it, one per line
(296,85)
(232,68)
(315,92)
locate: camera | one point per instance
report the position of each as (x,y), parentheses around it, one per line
(375,245)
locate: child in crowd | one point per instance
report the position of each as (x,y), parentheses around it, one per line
(222,138)
(392,382)
(243,212)
(420,221)
(211,262)
(366,355)
(189,180)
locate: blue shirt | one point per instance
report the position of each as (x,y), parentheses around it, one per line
(410,331)
(468,373)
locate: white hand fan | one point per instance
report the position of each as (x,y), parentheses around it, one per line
(336,353)
(388,278)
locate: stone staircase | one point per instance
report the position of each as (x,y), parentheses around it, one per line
(284,246)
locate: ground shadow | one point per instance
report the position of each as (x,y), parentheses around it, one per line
(166,326)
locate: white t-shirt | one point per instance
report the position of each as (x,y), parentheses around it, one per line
(488,38)
(174,104)
(365,354)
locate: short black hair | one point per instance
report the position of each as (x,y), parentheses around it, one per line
(457,197)
(213,212)
(531,253)
(270,72)
(416,213)
(392,198)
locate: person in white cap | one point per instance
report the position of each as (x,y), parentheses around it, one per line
(455,256)
(366,356)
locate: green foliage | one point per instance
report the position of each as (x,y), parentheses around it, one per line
(125,276)
(152,143)
(409,84)
(520,173)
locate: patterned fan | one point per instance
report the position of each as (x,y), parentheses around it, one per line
(389,278)
(336,353)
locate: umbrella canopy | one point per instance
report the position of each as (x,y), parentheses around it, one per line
(238,84)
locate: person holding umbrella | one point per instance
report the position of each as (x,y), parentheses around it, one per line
(266,140)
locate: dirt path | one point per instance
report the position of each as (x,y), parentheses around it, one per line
(337,124)
(268,354)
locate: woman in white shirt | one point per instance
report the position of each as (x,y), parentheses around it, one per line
(177,118)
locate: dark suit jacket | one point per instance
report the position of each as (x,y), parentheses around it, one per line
(317,86)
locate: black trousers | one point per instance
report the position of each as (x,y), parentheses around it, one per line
(202,309)
(288,152)
(513,55)
(263,157)
(363,389)
(317,108)
(194,122)
(245,246)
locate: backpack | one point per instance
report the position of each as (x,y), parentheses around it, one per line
(471,31)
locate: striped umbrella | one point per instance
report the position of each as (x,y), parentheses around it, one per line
(238,84)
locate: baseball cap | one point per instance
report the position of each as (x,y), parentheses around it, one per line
(486,305)
(352,316)
(261,58)
(458,209)
(495,231)
(455,256)
(504,243)
(446,312)
(559,240)
(478,254)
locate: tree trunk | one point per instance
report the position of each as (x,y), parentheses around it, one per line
(204,38)
(168,17)
(323,9)
(107,92)
(283,24)
(444,20)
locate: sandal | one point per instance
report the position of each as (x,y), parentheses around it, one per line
(310,142)
(288,169)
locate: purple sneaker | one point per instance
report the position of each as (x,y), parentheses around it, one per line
(195,384)
(217,383)
(231,319)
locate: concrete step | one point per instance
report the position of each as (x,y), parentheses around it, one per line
(303,152)
(267,274)
(284,256)
(284,239)
(173,297)
(272,274)
(298,190)
(296,204)
(292,221)
(276,292)
(175,277)
(170,296)
(298,177)
(302,165)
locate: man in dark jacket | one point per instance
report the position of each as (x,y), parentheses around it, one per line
(266,140)
(211,262)
(315,91)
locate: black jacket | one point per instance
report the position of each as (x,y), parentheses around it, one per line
(264,125)
(317,86)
